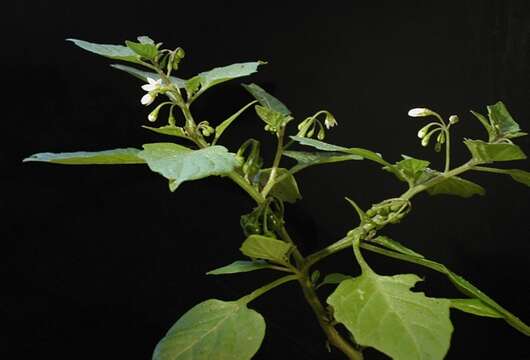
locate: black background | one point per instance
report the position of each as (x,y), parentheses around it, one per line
(100,261)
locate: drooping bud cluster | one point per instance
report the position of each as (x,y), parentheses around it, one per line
(312,124)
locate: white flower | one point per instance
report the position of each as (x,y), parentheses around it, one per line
(330,121)
(419,112)
(152,84)
(147,99)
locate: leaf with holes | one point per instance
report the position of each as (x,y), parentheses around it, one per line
(213,329)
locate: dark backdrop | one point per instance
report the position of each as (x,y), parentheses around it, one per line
(100,261)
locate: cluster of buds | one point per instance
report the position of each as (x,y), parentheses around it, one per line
(390,211)
(312,124)
(438,128)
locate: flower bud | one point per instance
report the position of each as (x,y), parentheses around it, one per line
(423,131)
(147,99)
(441,137)
(420,112)
(453,119)
(180,53)
(153,115)
(321,134)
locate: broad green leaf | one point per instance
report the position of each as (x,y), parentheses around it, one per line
(320,145)
(266,99)
(178,163)
(391,244)
(219,129)
(382,312)
(145,50)
(460,283)
(105,157)
(239,267)
(475,307)
(143,75)
(321,157)
(213,329)
(264,247)
(484,152)
(333,278)
(168,130)
(501,119)
(116,52)
(455,185)
(285,190)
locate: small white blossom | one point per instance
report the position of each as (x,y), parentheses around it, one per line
(330,122)
(147,99)
(152,84)
(152,116)
(420,112)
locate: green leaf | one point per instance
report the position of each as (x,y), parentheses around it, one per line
(317,144)
(168,130)
(145,40)
(333,278)
(484,152)
(520,176)
(239,267)
(147,51)
(475,307)
(264,247)
(460,283)
(221,74)
(143,75)
(219,129)
(272,118)
(178,163)
(321,157)
(105,157)
(501,119)
(455,185)
(116,52)
(391,244)
(320,145)
(486,124)
(285,190)
(381,312)
(266,99)
(213,329)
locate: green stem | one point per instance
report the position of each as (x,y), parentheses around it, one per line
(326,323)
(262,290)
(490,170)
(279,151)
(447,149)
(298,257)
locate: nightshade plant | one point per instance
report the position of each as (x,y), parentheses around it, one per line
(377,311)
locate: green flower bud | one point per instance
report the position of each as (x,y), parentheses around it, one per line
(437,147)
(153,115)
(453,119)
(441,137)
(321,134)
(180,53)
